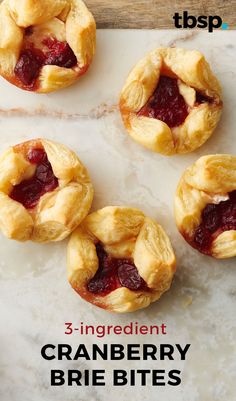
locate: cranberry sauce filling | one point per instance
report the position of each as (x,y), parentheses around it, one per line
(29,192)
(167,104)
(60,54)
(28,66)
(31,59)
(113,273)
(214,220)
(200,98)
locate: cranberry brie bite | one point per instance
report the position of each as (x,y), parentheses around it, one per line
(205,205)
(171,101)
(45,45)
(45,191)
(120,260)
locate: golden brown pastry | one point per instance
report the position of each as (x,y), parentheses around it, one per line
(45,191)
(205,205)
(120,260)
(171,101)
(45,45)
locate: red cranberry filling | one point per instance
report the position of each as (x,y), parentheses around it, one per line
(114,273)
(215,219)
(59,54)
(28,66)
(31,60)
(167,104)
(200,98)
(29,192)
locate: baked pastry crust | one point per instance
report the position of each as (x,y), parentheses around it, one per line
(66,20)
(193,74)
(125,233)
(209,180)
(57,212)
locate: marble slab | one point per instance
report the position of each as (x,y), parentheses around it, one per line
(36,299)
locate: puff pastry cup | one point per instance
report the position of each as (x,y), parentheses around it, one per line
(45,191)
(120,260)
(171,101)
(205,205)
(45,45)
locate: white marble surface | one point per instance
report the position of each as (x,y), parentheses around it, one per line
(36,299)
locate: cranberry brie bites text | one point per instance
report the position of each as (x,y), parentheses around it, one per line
(171,101)
(45,45)
(45,191)
(120,260)
(205,205)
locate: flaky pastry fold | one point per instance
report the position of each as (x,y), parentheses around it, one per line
(194,75)
(57,212)
(208,181)
(65,20)
(125,233)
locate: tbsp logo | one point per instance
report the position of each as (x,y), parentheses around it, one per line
(203,21)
